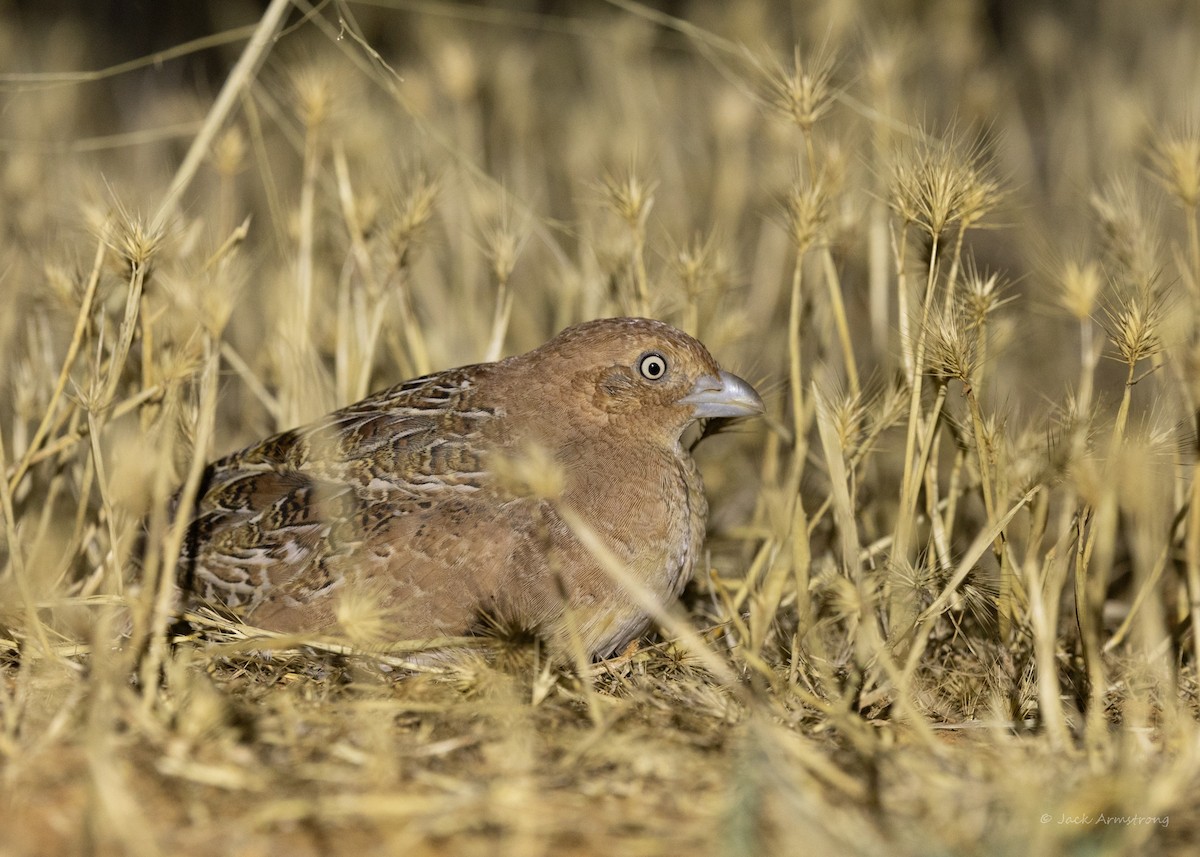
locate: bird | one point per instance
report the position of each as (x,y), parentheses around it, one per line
(405,496)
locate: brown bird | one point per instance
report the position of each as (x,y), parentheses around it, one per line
(403,495)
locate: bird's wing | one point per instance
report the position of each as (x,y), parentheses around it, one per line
(421,431)
(271,520)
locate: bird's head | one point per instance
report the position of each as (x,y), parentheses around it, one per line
(636,375)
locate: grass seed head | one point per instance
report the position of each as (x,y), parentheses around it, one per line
(529,472)
(953,350)
(133,468)
(458,70)
(803,92)
(1144,468)
(1126,229)
(229,152)
(630,197)
(701,265)
(133,237)
(1175,160)
(415,210)
(937,183)
(504,237)
(841,600)
(314,85)
(362,614)
(890,405)
(180,361)
(980,295)
(887,57)
(1134,324)
(1079,287)
(806,212)
(64,287)
(848,413)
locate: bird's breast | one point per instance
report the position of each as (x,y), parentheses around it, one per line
(685,536)
(651,512)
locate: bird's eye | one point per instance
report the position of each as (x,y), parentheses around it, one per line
(652,366)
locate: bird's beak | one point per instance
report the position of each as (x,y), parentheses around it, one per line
(722,395)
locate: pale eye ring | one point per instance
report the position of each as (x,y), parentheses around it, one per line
(653,366)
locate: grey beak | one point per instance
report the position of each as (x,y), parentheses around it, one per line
(722,395)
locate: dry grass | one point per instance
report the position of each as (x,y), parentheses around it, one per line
(954,581)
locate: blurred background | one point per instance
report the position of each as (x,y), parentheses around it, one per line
(545,99)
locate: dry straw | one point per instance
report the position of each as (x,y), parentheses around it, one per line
(949,597)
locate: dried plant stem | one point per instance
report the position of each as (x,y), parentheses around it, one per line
(112,559)
(239,78)
(300,364)
(856,459)
(162,587)
(60,386)
(408,343)
(637,261)
(1094,559)
(146,335)
(129,324)
(979,335)
(839,318)
(900,251)
(738,628)
(306,218)
(16,558)
(60,484)
(798,531)
(277,212)
(500,319)
(413,336)
(1118,434)
(926,444)
(839,481)
(582,662)
(354,373)
(965,563)
(1147,589)
(636,590)
(1193,231)
(78,432)
(911,478)
(985,458)
(795,378)
(1192,552)
(955,265)
(766,597)
(810,152)
(941,544)
(1092,562)
(953,492)
(1045,588)
(73,545)
(878,275)
(801,566)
